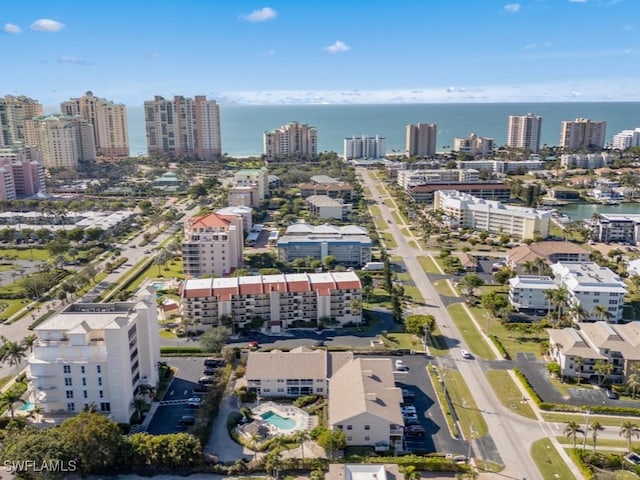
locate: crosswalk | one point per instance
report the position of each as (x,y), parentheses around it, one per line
(165,403)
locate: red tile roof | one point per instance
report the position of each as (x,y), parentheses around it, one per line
(210,220)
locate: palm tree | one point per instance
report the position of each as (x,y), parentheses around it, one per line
(579,313)
(601,312)
(578,361)
(633,382)
(255,439)
(596,428)
(528,267)
(627,430)
(572,430)
(139,405)
(549,296)
(12,352)
(146,391)
(302,436)
(29,341)
(10,397)
(410,472)
(540,265)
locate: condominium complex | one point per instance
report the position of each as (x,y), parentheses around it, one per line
(278,301)
(95,353)
(294,141)
(524,132)
(626,139)
(14,111)
(183,126)
(588,285)
(363,399)
(109,122)
(349,244)
(212,244)
(616,227)
(325,207)
(466,211)
(507,167)
(497,191)
(474,145)
(582,134)
(336,189)
(20,178)
(249,177)
(365,147)
(577,351)
(65,142)
(527,258)
(589,161)
(410,178)
(421,140)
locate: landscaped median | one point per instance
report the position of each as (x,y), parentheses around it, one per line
(549,462)
(508,393)
(428,265)
(470,333)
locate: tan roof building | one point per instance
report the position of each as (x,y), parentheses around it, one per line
(549,251)
(360,471)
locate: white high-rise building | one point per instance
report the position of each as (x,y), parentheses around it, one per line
(183,126)
(65,142)
(109,122)
(296,140)
(365,147)
(96,353)
(524,132)
(421,140)
(14,111)
(582,133)
(626,139)
(474,145)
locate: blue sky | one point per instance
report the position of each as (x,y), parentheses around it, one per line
(323,52)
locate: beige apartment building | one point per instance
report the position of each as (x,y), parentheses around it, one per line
(212,244)
(466,211)
(183,126)
(582,134)
(524,132)
(14,111)
(108,120)
(421,139)
(294,141)
(280,301)
(65,142)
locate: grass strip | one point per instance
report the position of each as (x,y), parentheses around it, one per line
(549,461)
(509,393)
(469,416)
(472,336)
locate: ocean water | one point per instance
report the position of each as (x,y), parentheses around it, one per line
(242,125)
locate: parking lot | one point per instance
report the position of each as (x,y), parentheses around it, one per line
(174,404)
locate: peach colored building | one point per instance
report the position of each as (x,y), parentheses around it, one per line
(213,244)
(279,300)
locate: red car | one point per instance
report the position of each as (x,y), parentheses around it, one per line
(254,344)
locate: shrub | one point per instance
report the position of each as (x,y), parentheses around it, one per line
(500,347)
(305,400)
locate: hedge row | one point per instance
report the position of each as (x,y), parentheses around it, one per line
(500,347)
(177,351)
(425,464)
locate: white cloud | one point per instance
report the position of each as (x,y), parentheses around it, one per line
(577,1)
(74,60)
(261,15)
(11,28)
(512,7)
(46,25)
(337,47)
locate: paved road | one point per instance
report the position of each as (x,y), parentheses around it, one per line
(512,434)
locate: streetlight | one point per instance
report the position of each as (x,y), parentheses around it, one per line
(471,437)
(586,429)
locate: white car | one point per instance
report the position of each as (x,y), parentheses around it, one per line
(407,410)
(409,416)
(194,402)
(465,354)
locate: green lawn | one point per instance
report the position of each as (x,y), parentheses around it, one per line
(513,342)
(26,254)
(399,221)
(606,420)
(549,461)
(428,265)
(508,393)
(602,442)
(443,287)
(403,340)
(562,387)
(167,334)
(446,411)
(411,290)
(10,307)
(470,333)
(388,239)
(413,244)
(438,345)
(377,217)
(389,203)
(468,413)
(380,298)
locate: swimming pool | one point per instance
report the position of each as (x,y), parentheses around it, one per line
(282,423)
(27,407)
(158,285)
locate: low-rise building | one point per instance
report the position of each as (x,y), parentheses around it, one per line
(528,293)
(507,167)
(360,471)
(580,351)
(466,211)
(253,176)
(244,212)
(488,190)
(473,145)
(349,244)
(527,258)
(616,227)
(325,207)
(341,190)
(212,244)
(589,161)
(410,178)
(279,301)
(244,196)
(95,353)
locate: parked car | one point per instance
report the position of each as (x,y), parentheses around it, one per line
(214,362)
(408,422)
(200,388)
(408,394)
(194,402)
(465,354)
(399,363)
(319,343)
(408,409)
(187,420)
(611,394)
(409,416)
(254,344)
(414,430)
(206,380)
(209,371)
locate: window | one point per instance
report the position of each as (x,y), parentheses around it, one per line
(349,439)
(320,390)
(85,394)
(101,394)
(84,382)
(66,368)
(100,381)
(71,407)
(366,439)
(68,382)
(349,427)
(82,369)
(105,407)
(99,368)
(69,393)
(367,427)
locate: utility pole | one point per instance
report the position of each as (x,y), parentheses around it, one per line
(586,430)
